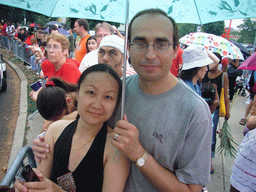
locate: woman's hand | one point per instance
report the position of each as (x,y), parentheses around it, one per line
(40,148)
(44,184)
(227,116)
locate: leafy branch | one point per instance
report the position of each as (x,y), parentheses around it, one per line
(227,141)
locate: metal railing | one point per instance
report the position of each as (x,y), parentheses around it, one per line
(17,48)
(17,163)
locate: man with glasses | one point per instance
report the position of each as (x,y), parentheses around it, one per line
(166,129)
(58,64)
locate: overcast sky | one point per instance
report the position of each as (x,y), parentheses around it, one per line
(234,24)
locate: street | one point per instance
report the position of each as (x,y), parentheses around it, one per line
(9,109)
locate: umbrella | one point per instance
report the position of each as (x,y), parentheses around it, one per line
(250,63)
(183,11)
(213,43)
(51,23)
(60,30)
(241,47)
(34,25)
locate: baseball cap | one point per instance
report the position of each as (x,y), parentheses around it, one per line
(195,56)
(113,41)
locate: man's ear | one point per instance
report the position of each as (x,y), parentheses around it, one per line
(175,51)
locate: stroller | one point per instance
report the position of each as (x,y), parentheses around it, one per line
(241,84)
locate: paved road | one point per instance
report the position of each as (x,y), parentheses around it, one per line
(9,109)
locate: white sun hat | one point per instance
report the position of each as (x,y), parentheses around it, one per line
(195,56)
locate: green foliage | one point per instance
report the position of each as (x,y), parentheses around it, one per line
(17,15)
(216,28)
(247,32)
(227,141)
(185,28)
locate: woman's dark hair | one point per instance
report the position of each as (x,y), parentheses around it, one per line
(107,69)
(51,101)
(218,55)
(189,74)
(87,42)
(208,92)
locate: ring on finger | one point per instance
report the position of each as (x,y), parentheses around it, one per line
(115,138)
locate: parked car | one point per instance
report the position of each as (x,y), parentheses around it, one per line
(3,75)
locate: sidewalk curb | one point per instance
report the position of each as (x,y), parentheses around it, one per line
(22,117)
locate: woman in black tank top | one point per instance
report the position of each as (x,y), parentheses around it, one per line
(215,77)
(82,157)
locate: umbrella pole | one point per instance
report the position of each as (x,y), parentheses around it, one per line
(125,59)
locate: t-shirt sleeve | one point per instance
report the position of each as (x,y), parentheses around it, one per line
(196,153)
(83,64)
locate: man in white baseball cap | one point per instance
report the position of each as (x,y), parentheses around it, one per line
(111,52)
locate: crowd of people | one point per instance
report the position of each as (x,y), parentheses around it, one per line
(167,137)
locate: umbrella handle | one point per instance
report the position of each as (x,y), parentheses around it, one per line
(125,60)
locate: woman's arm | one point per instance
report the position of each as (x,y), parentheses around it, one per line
(235,64)
(45,165)
(214,58)
(226,96)
(116,169)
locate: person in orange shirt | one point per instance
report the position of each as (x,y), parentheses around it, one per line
(81,28)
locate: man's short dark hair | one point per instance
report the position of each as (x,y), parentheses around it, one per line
(84,23)
(53,28)
(154,11)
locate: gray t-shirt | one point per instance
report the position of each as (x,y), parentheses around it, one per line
(175,128)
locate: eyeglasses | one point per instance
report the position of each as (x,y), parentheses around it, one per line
(55,48)
(158,46)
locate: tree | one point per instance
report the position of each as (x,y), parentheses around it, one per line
(247,31)
(216,28)
(186,28)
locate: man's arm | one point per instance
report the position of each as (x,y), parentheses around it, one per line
(159,177)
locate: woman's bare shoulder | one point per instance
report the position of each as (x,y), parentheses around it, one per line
(56,128)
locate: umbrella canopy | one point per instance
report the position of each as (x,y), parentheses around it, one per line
(34,25)
(51,23)
(183,11)
(250,63)
(60,30)
(241,47)
(214,44)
